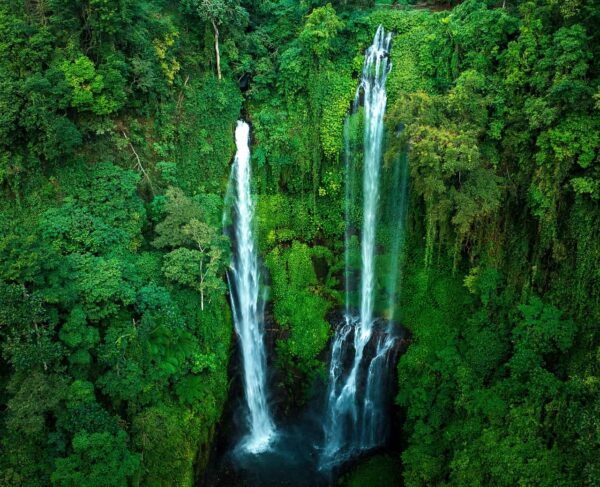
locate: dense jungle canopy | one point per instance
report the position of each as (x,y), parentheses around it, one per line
(116,140)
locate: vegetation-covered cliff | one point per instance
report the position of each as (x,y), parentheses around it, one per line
(116,135)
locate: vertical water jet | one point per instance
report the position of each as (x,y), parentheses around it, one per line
(248,315)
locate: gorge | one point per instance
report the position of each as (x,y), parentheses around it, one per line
(357,399)
(301,243)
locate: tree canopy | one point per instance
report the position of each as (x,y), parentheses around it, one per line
(116,138)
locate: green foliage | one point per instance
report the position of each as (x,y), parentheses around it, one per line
(196,154)
(88,87)
(115,145)
(35,398)
(167,440)
(97,459)
(88,305)
(320,30)
(298,307)
(464,361)
(217,11)
(220,15)
(378,471)
(200,267)
(499,167)
(104,104)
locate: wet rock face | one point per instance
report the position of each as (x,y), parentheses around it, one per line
(359,398)
(294,460)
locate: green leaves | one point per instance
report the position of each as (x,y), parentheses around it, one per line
(183,266)
(298,307)
(218,11)
(167,439)
(199,267)
(179,211)
(82,297)
(542,329)
(27,332)
(101,285)
(87,86)
(320,30)
(98,460)
(102,214)
(480,392)
(79,337)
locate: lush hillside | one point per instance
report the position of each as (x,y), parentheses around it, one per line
(116,137)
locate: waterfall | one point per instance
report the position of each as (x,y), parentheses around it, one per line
(349,197)
(362,347)
(397,213)
(374,420)
(247,308)
(375,70)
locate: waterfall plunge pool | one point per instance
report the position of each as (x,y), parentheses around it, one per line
(295,456)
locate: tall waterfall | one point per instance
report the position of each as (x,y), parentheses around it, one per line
(374,75)
(361,355)
(246,303)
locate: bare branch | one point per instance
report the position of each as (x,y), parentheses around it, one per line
(139,161)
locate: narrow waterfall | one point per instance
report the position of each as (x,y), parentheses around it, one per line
(349,198)
(362,346)
(397,218)
(374,75)
(246,303)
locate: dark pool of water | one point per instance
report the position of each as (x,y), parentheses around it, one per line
(293,459)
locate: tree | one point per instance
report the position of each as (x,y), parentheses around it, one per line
(188,268)
(166,439)
(199,250)
(28,343)
(217,13)
(36,399)
(211,247)
(320,31)
(98,460)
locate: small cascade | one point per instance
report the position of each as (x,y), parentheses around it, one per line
(363,348)
(374,415)
(244,279)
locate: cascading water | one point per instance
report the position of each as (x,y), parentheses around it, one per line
(246,303)
(374,421)
(362,346)
(365,345)
(397,214)
(373,79)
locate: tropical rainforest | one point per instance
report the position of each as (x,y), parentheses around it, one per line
(116,140)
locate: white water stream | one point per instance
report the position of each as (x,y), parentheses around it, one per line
(354,412)
(246,303)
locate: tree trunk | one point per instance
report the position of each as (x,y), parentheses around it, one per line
(217,50)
